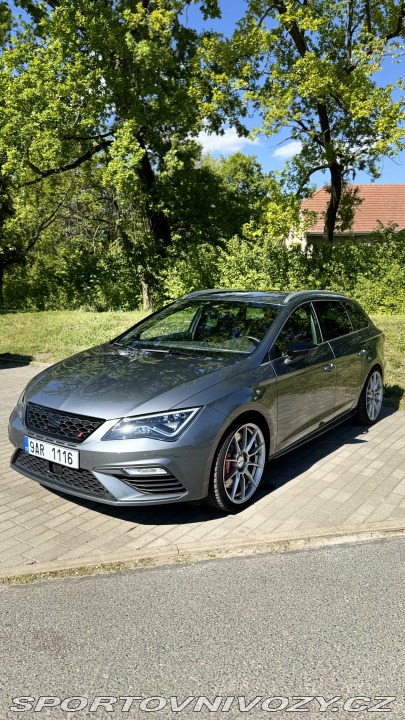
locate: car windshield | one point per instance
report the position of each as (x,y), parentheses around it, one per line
(231,327)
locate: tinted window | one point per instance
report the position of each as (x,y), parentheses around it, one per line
(335,321)
(301,326)
(359,318)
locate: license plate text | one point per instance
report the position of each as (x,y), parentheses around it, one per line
(51,452)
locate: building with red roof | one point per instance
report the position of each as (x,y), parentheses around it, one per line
(380,204)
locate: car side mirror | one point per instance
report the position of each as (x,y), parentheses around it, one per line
(298,349)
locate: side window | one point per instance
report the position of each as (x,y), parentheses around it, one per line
(359,318)
(335,321)
(302,325)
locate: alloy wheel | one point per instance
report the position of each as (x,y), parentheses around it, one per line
(374,395)
(244,463)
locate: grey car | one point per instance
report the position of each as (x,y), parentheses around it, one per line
(192,402)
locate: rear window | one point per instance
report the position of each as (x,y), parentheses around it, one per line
(335,321)
(359,318)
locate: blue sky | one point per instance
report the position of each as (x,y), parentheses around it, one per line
(273,152)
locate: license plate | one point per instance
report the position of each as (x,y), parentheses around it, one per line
(49,451)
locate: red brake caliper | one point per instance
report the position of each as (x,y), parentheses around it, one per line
(227,463)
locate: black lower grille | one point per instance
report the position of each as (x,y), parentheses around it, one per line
(62,476)
(155,486)
(60,424)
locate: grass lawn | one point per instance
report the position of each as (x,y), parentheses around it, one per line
(393,326)
(51,336)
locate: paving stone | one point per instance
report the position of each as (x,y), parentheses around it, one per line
(15,561)
(99,542)
(33,537)
(13,550)
(118,543)
(46,552)
(84,551)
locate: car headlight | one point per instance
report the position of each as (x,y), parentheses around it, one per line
(165,426)
(20,407)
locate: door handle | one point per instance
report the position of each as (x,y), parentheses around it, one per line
(330,367)
(362,353)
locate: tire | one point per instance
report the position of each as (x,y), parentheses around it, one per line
(370,400)
(238,467)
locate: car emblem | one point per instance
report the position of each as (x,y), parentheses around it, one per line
(54,421)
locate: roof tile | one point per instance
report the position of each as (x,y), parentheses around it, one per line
(381,203)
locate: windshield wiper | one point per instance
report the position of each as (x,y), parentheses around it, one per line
(168,351)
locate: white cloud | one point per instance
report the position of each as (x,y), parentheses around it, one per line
(287,151)
(229,142)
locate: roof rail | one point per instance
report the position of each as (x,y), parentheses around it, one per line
(320,293)
(210,291)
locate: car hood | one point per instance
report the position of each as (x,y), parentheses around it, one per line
(110,381)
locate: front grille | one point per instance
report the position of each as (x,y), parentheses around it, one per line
(155,486)
(62,476)
(59,424)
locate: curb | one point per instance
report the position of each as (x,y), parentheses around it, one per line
(182,554)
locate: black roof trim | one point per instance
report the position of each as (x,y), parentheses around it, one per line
(275,295)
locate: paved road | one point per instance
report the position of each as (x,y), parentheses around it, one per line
(348,478)
(326,623)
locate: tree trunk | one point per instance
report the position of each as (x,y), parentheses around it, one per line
(146,303)
(156,219)
(334,201)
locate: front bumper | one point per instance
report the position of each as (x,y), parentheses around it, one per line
(102,475)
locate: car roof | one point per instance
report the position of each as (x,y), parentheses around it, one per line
(275,297)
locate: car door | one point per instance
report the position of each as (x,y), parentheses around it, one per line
(369,339)
(337,329)
(305,385)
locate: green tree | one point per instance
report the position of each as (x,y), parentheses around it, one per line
(104,82)
(24,217)
(311,66)
(232,221)
(69,242)
(7,251)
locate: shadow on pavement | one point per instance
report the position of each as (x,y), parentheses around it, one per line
(11,360)
(287,467)
(278,473)
(298,461)
(393,395)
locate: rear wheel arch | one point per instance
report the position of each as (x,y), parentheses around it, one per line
(378,367)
